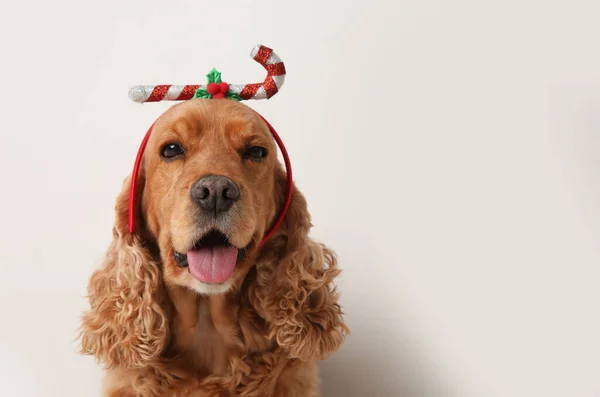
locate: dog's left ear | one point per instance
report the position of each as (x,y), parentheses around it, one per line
(126,325)
(294,292)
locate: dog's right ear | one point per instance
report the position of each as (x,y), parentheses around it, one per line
(295,290)
(126,325)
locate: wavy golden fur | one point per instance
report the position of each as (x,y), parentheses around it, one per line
(159,331)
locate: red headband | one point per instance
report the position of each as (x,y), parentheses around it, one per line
(217,89)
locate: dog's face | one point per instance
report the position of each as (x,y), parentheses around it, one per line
(209,194)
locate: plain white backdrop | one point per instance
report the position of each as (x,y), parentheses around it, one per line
(449,151)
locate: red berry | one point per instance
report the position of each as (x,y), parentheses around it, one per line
(220,95)
(224,87)
(213,88)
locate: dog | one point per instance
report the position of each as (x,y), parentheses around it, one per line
(191,303)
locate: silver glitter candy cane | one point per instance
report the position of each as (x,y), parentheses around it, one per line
(265,90)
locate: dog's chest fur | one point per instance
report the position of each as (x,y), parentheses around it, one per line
(198,331)
(209,347)
(211,331)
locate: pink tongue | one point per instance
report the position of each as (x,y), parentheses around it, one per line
(212,265)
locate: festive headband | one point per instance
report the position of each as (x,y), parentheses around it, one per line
(218,89)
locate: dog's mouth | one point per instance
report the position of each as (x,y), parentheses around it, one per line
(212,260)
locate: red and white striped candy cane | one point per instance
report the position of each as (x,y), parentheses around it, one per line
(265,90)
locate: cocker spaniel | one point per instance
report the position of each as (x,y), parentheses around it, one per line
(191,304)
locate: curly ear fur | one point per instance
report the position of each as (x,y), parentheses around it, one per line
(126,325)
(295,291)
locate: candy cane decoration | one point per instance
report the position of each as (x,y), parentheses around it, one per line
(265,90)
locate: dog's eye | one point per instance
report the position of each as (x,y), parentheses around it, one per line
(255,153)
(170,151)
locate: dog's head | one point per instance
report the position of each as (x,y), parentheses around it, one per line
(208,190)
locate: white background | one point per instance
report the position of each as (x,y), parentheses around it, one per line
(449,151)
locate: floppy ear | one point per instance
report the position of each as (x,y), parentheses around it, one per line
(294,291)
(126,324)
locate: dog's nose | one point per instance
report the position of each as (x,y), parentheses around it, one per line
(215,193)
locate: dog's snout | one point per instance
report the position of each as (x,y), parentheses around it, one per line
(215,193)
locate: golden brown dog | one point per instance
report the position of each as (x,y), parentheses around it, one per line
(191,304)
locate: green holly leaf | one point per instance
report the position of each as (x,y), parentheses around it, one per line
(201,94)
(214,76)
(234,96)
